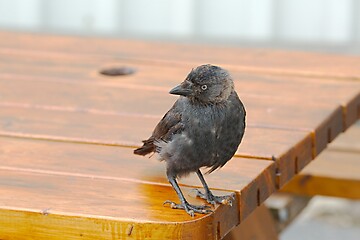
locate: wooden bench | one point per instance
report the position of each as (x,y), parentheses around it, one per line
(67,133)
(336,171)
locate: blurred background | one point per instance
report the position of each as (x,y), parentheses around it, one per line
(331,26)
(315,25)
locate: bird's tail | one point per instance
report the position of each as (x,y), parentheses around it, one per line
(147,148)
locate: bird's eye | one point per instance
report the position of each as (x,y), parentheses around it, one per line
(203,87)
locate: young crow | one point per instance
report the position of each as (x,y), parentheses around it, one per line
(202,129)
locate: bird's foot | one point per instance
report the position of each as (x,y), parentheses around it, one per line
(189,208)
(210,198)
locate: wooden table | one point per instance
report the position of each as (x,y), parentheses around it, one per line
(67,133)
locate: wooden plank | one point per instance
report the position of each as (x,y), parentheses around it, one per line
(252,180)
(334,173)
(328,130)
(293,161)
(262,110)
(126,130)
(248,86)
(57,67)
(347,94)
(286,147)
(352,111)
(80,97)
(44,206)
(71,123)
(251,60)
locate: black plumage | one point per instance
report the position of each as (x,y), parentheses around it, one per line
(202,129)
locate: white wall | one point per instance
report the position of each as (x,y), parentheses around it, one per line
(320,20)
(248,19)
(81,15)
(20,13)
(285,21)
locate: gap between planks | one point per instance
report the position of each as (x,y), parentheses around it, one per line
(94,142)
(96,111)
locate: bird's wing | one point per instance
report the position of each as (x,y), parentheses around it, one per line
(233,126)
(168,125)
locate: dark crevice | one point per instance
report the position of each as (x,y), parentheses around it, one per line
(218,235)
(329,135)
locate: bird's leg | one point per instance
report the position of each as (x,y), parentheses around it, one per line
(208,195)
(189,208)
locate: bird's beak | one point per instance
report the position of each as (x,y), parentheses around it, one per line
(183,89)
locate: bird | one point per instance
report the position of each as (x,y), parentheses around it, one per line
(203,129)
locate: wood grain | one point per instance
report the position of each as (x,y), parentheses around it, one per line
(265,143)
(67,133)
(251,60)
(266,108)
(68,68)
(252,180)
(262,110)
(66,207)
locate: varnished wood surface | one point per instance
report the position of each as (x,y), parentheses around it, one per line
(251,60)
(67,133)
(62,75)
(336,171)
(119,164)
(73,207)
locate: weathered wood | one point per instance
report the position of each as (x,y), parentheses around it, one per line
(250,60)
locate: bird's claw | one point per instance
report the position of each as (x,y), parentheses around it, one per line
(189,208)
(210,198)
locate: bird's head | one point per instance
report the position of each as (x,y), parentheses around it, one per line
(206,84)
